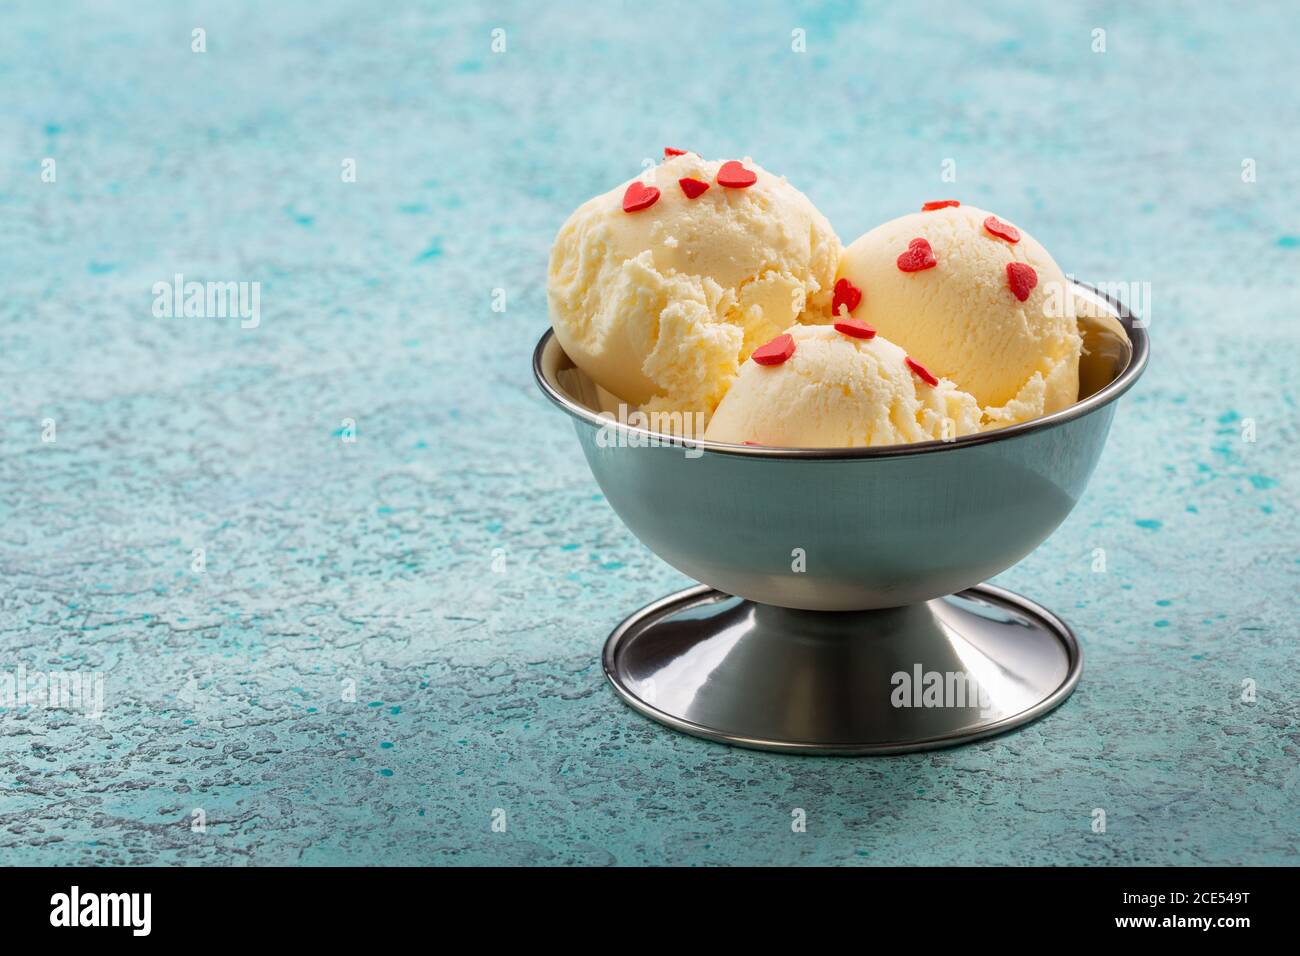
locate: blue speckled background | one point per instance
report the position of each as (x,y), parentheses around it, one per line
(370,564)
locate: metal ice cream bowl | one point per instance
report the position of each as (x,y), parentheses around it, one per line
(902,536)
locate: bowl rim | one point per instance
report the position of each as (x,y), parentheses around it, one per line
(1133,325)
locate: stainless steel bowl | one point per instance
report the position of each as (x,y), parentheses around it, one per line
(852,529)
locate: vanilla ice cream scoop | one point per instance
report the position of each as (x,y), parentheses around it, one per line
(660,289)
(974,299)
(828,389)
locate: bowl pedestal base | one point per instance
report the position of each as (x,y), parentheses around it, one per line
(929,675)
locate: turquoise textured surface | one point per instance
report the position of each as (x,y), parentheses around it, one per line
(454,569)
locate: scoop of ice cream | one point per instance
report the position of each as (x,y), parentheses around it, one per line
(840,391)
(661,304)
(976,300)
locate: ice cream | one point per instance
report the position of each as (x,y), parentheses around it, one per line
(827,388)
(947,321)
(974,299)
(660,289)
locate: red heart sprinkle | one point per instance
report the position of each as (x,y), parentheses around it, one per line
(1021,278)
(1001,229)
(939,204)
(692,187)
(918,256)
(669,152)
(734,175)
(846,293)
(855,328)
(925,374)
(639,196)
(776,351)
